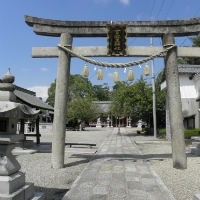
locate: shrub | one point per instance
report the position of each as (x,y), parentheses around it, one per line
(189,133)
(162,131)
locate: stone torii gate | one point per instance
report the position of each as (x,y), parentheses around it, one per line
(66,30)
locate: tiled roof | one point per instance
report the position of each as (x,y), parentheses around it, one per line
(28,97)
(185,69)
(104,105)
(189,69)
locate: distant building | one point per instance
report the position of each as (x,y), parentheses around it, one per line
(29,98)
(114,121)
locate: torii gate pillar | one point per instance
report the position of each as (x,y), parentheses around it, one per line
(60,109)
(175,106)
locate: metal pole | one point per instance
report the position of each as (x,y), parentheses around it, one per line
(154,94)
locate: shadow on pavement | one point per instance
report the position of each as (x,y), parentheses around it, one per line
(52,193)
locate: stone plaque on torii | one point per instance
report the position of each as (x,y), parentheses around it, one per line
(66,30)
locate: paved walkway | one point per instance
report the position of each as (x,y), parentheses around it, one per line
(118,172)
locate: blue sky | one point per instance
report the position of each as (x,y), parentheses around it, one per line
(17,38)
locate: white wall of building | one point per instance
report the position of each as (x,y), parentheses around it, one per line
(197,82)
(187,86)
(190,91)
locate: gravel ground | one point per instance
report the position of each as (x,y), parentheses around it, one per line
(183,184)
(55,183)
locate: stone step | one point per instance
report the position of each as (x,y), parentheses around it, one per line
(24,193)
(196,197)
(195,138)
(194,150)
(196,144)
(29,190)
(38,196)
(20,151)
(10,184)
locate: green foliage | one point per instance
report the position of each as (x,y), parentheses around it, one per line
(162,131)
(187,133)
(101,92)
(79,86)
(82,109)
(134,100)
(51,94)
(193,132)
(82,87)
(160,102)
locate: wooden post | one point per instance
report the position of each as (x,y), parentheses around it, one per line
(175,106)
(22,130)
(37,130)
(22,126)
(60,108)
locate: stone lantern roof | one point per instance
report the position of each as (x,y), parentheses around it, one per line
(8,105)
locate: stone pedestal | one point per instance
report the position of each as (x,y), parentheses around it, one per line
(15,187)
(129,123)
(195,148)
(98,125)
(12,181)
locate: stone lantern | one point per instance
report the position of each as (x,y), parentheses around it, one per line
(12,181)
(108,121)
(129,122)
(98,125)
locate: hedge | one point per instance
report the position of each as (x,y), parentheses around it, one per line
(193,132)
(188,133)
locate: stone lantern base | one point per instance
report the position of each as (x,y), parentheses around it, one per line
(12,181)
(14,187)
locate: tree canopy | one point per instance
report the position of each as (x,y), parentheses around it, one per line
(135,100)
(78,86)
(101,92)
(82,109)
(132,99)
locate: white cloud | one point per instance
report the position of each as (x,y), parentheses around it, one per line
(43,69)
(126,2)
(41,91)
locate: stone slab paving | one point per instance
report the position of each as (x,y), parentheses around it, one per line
(118,171)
